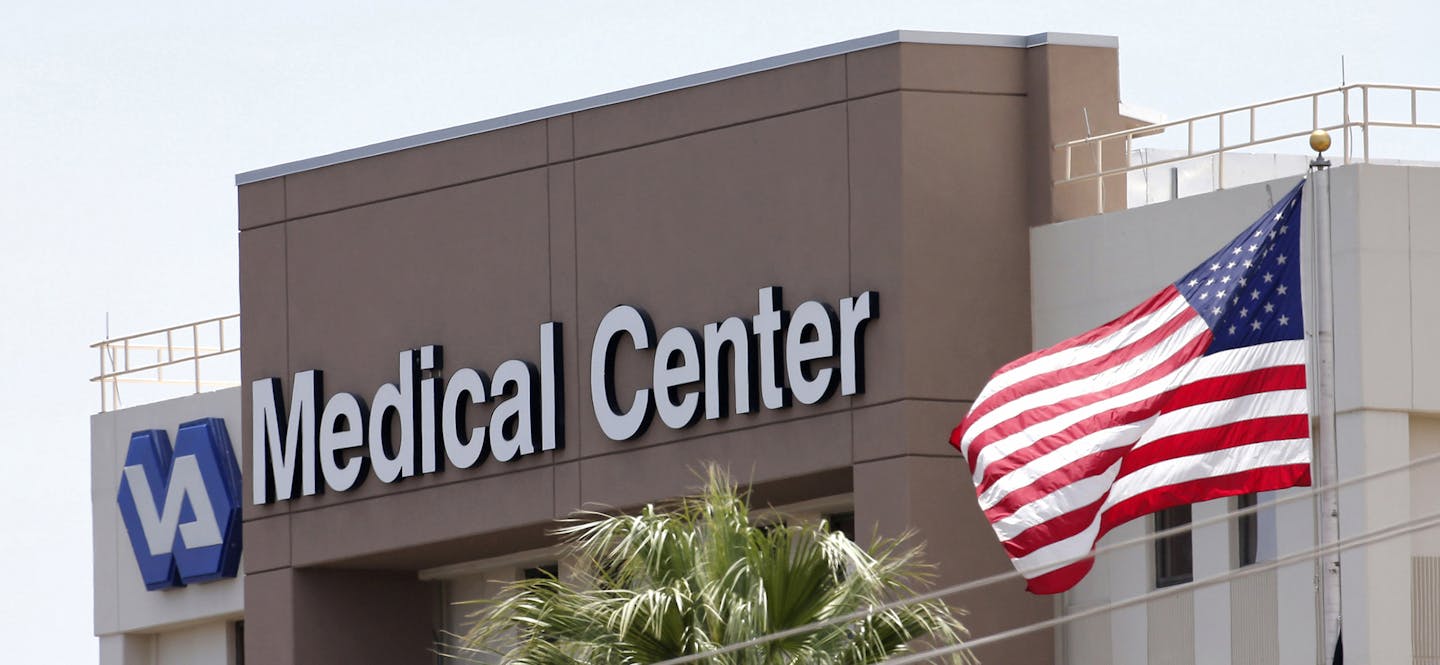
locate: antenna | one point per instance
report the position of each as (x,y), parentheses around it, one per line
(1342,70)
(1086,112)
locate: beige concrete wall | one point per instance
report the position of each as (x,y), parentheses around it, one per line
(122,604)
(907,169)
(1385,259)
(207,643)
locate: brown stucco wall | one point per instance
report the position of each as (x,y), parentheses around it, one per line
(913,170)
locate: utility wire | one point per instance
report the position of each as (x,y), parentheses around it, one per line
(1366,538)
(1013,574)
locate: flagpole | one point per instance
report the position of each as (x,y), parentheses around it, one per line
(1326,447)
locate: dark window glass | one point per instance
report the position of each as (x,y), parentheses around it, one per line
(239,643)
(549,571)
(767,527)
(1173,564)
(842,522)
(1247,536)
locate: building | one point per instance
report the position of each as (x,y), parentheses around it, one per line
(148,619)
(1382,240)
(871,222)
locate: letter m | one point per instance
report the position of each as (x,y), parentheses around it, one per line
(278,457)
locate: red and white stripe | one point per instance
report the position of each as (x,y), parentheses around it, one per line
(1068,442)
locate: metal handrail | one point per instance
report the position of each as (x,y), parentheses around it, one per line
(116,366)
(1097,144)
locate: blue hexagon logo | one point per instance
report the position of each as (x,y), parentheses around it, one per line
(181,507)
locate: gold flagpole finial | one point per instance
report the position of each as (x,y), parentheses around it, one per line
(1319,142)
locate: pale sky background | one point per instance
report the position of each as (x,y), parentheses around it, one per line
(122,126)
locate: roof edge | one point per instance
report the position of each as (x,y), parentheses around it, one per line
(687,81)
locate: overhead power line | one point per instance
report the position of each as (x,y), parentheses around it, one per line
(1367,538)
(1011,575)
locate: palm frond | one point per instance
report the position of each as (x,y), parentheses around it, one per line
(698,574)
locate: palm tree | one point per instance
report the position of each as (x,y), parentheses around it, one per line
(702,574)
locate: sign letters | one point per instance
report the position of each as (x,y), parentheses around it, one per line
(420,423)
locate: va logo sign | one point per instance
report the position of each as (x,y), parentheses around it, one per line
(182,508)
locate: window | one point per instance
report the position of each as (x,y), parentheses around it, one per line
(239,634)
(842,522)
(1173,564)
(1247,531)
(548,571)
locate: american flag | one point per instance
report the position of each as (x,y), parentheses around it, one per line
(1196,394)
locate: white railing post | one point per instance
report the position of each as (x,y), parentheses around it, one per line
(102,373)
(1345,117)
(195,352)
(1100,179)
(1220,156)
(1365,110)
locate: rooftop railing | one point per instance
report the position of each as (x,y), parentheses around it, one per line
(1351,113)
(168,357)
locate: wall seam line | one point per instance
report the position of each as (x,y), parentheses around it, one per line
(575,326)
(577,157)
(887,458)
(849,228)
(289,366)
(1409,235)
(550,288)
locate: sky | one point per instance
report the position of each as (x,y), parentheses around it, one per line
(122,126)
